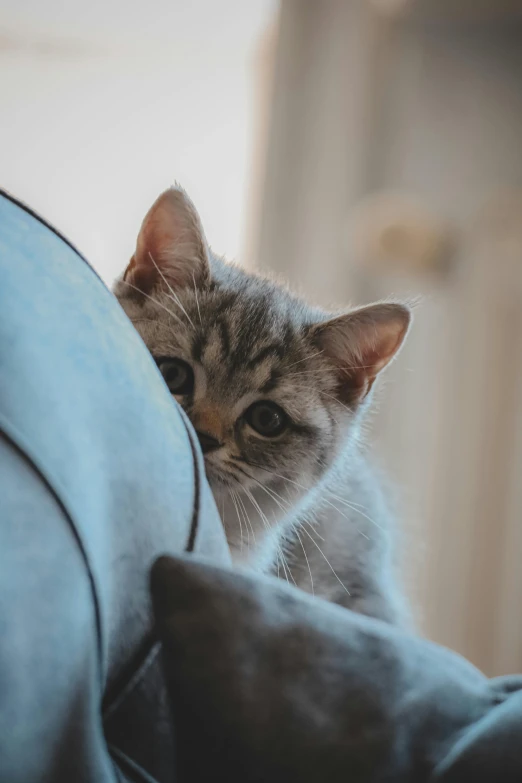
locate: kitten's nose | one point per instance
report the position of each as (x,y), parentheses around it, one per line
(207,442)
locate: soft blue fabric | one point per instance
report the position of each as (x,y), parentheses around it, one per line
(279,686)
(99,473)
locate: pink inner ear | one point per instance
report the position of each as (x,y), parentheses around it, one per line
(140,276)
(377,350)
(160,231)
(362,343)
(171,249)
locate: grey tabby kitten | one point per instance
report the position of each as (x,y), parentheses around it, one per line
(276,390)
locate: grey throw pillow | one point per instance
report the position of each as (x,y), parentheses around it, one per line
(269,684)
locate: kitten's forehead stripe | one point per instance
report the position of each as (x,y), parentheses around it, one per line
(227,300)
(271,383)
(198,345)
(275,350)
(222,326)
(213,352)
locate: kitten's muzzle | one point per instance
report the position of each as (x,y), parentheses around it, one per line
(207,442)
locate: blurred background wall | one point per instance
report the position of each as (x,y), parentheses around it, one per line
(103,104)
(394,167)
(362,149)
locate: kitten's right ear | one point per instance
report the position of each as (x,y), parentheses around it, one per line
(171,250)
(361,343)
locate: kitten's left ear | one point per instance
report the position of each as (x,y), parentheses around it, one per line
(171,249)
(362,343)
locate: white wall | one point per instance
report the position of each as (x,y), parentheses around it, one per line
(104,104)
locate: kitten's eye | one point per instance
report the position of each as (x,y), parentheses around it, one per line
(179,376)
(267,418)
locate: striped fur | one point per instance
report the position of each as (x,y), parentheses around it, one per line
(305,504)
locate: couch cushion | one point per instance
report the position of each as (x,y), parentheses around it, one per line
(278,686)
(82,400)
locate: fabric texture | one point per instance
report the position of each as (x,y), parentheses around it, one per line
(100,473)
(279,686)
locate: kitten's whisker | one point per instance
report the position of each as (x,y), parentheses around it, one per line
(357,367)
(155,301)
(334,572)
(271,493)
(317,370)
(324,500)
(330,396)
(286,566)
(233,498)
(178,303)
(246,517)
(231,493)
(241,512)
(332,505)
(174,296)
(357,510)
(281,556)
(268,527)
(281,559)
(223,522)
(306,557)
(311,525)
(277,498)
(336,399)
(352,502)
(257,507)
(277,475)
(306,358)
(197,299)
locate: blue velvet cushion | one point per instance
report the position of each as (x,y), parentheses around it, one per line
(99,473)
(279,686)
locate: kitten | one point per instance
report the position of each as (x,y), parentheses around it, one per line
(276,390)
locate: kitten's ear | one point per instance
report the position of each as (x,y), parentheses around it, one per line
(171,249)
(362,343)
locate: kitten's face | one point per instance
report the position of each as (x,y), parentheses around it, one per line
(271,386)
(251,380)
